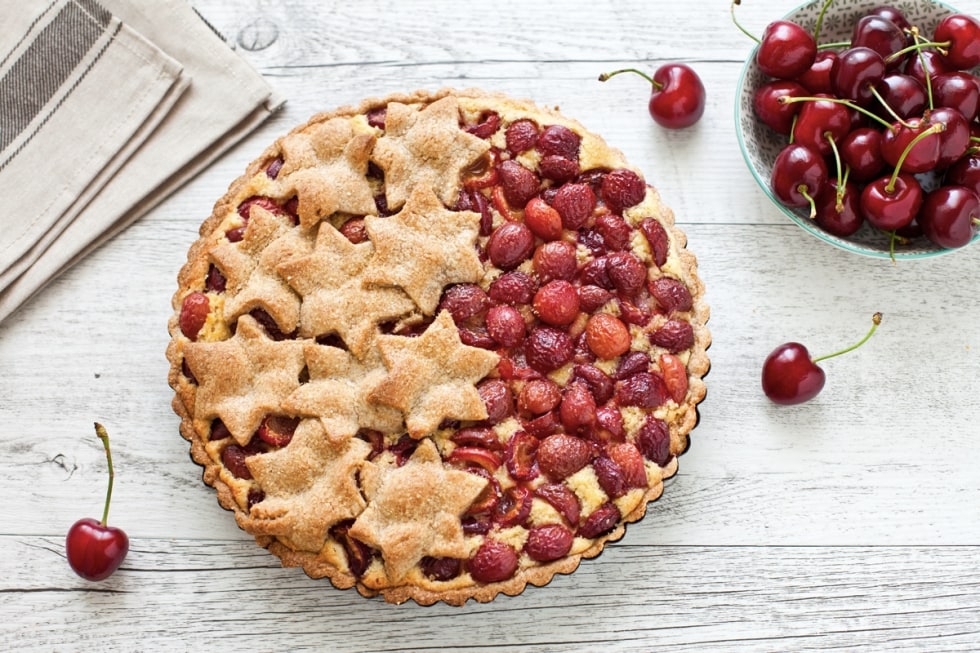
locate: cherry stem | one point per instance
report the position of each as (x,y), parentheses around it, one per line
(891,112)
(104,436)
(787,99)
(839,204)
(914,31)
(604,76)
(875,321)
(917,46)
(935,129)
(831,46)
(739,26)
(804,190)
(823,11)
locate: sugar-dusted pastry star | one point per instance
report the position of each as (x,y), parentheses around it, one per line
(249,267)
(309,485)
(414,510)
(334,299)
(433,376)
(325,167)
(243,379)
(426,148)
(337,393)
(424,248)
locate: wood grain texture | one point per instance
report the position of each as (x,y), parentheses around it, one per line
(849,523)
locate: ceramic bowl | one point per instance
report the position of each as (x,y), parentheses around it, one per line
(760,144)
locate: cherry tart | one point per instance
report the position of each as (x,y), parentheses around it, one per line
(438,346)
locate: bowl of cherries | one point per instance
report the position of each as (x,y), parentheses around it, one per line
(860,121)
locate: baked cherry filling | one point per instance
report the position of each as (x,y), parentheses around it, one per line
(578,299)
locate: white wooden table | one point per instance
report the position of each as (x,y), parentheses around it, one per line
(847,523)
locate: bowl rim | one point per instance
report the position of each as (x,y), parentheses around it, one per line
(806,223)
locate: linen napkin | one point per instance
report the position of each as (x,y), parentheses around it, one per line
(106,107)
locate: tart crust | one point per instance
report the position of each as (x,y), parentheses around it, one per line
(292,263)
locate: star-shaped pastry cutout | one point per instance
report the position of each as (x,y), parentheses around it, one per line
(424,248)
(334,299)
(325,166)
(414,510)
(426,148)
(309,485)
(433,376)
(337,393)
(243,379)
(249,267)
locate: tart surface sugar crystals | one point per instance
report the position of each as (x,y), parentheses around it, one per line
(438,346)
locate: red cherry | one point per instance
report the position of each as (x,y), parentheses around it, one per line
(912,147)
(950,215)
(958,91)
(798,175)
(857,71)
(95,550)
(955,137)
(880,34)
(965,172)
(893,14)
(927,61)
(821,119)
(677,98)
(962,33)
(891,203)
(903,94)
(771,111)
(817,78)
(839,213)
(786,50)
(790,376)
(861,150)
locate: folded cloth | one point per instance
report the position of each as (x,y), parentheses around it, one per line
(106,107)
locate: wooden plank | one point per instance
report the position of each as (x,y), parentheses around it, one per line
(632,598)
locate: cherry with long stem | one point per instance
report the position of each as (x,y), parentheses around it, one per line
(790,376)
(94,549)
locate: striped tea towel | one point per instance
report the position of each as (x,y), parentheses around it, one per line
(106,106)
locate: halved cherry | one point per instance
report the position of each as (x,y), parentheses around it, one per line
(277,430)
(521,461)
(484,458)
(675,376)
(514,506)
(477,436)
(489,498)
(359,554)
(562,499)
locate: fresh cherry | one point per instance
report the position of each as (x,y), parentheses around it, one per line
(965,172)
(955,137)
(861,151)
(961,35)
(677,98)
(771,111)
(95,550)
(821,119)
(950,215)
(880,34)
(786,50)
(838,211)
(798,175)
(900,95)
(958,91)
(891,203)
(855,74)
(790,376)
(911,146)
(817,78)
